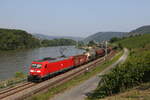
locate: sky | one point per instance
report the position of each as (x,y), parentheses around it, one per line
(79,18)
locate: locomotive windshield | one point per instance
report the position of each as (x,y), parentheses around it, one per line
(36,66)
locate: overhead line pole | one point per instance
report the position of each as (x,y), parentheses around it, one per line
(105,49)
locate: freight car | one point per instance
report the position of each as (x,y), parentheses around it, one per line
(91,54)
(46,67)
(43,68)
(79,59)
(109,49)
(100,52)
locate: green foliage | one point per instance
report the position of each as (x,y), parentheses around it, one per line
(18,78)
(11,39)
(91,43)
(58,42)
(133,72)
(140,30)
(138,41)
(19,75)
(80,44)
(114,39)
(120,46)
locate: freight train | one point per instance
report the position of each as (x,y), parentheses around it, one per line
(43,68)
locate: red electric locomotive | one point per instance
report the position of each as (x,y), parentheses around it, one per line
(42,68)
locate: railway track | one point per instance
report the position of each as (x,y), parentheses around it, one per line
(27,89)
(11,91)
(12,88)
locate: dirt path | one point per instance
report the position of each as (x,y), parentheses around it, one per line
(81,91)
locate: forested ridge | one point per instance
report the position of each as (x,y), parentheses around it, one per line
(101,36)
(13,39)
(58,42)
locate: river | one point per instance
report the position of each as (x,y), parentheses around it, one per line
(19,61)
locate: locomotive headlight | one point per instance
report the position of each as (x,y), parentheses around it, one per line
(38,71)
(31,70)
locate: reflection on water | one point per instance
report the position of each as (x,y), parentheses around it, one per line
(12,62)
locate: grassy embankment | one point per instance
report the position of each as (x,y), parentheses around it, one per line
(77,80)
(18,78)
(134,72)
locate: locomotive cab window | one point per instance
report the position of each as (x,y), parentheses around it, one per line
(36,66)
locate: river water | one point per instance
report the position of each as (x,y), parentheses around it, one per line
(19,61)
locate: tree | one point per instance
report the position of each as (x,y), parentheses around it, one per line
(80,44)
(58,42)
(11,39)
(91,43)
(114,39)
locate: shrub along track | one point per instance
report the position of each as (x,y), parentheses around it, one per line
(27,89)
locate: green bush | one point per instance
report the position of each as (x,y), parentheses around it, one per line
(132,73)
(135,71)
(19,75)
(114,39)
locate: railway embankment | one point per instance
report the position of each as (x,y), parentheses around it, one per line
(100,66)
(133,73)
(82,90)
(28,89)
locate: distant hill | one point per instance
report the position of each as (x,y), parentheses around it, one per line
(15,39)
(101,36)
(139,41)
(140,30)
(41,36)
